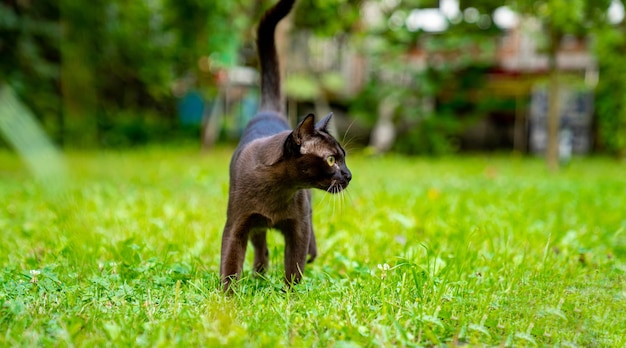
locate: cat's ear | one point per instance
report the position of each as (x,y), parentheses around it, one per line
(323,123)
(305,129)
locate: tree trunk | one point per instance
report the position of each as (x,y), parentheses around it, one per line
(552,148)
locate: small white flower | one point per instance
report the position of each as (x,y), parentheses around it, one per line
(384,268)
(113,266)
(34,273)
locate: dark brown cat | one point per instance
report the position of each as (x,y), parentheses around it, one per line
(272,170)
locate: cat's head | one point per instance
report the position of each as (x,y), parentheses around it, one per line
(318,157)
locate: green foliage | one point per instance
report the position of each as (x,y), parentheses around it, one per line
(332,17)
(29,53)
(301,87)
(562,17)
(436,135)
(458,251)
(611,93)
(115,62)
(427,75)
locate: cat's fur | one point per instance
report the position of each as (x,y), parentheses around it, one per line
(273,169)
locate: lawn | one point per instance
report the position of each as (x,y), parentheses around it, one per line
(418,252)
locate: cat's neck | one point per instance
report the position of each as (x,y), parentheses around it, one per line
(263,168)
(269,191)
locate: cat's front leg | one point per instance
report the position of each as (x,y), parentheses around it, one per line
(312,251)
(312,246)
(297,237)
(261,253)
(234,243)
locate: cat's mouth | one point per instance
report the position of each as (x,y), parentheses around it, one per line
(336,186)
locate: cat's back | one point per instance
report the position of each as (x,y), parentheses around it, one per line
(263,124)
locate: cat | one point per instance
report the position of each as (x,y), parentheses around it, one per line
(272,171)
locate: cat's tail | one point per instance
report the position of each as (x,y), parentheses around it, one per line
(271,95)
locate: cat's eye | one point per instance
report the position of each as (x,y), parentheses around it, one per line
(331,160)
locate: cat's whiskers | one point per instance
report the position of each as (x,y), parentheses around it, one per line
(347,130)
(322,201)
(334,188)
(347,142)
(339,195)
(342,199)
(347,194)
(331,188)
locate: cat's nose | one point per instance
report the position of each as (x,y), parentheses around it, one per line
(347,174)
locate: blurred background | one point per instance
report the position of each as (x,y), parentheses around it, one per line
(410,76)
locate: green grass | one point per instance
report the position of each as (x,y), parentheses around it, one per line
(420,252)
